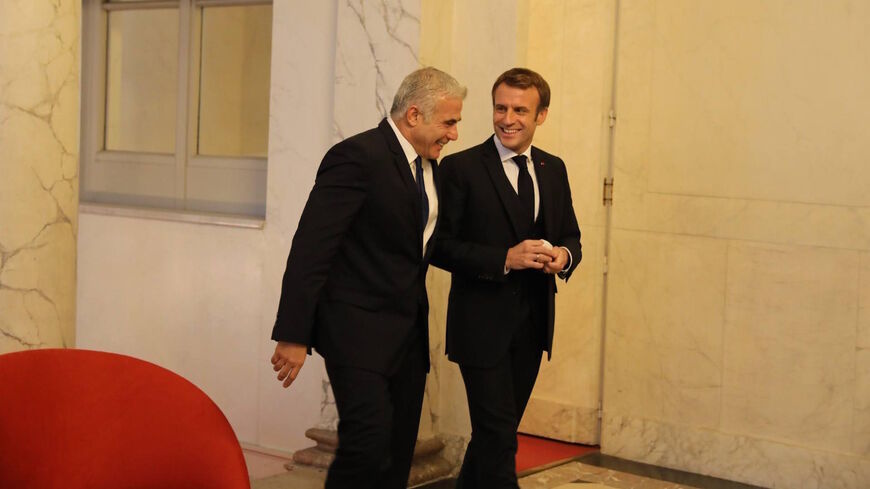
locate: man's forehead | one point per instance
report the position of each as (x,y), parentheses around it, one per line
(449,108)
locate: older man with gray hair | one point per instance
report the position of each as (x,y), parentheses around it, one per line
(355,284)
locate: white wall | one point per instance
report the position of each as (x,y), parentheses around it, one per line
(200,299)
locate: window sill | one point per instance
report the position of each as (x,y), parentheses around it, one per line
(172,215)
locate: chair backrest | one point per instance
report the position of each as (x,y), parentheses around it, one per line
(78,419)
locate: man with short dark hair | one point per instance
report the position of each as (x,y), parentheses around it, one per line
(355,284)
(507,228)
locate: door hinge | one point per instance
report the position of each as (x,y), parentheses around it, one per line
(611,118)
(607,198)
(606,267)
(600,410)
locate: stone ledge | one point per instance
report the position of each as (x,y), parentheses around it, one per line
(428,464)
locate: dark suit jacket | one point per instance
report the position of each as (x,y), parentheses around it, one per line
(354,287)
(480,219)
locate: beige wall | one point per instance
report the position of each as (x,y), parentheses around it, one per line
(736,314)
(39,73)
(570,44)
(736,329)
(455,37)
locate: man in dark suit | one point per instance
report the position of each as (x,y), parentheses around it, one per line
(354,287)
(507,227)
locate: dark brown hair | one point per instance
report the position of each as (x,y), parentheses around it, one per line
(525,78)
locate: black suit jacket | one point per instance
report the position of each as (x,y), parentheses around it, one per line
(354,287)
(481,217)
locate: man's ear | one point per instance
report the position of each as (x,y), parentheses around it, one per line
(413,115)
(541,117)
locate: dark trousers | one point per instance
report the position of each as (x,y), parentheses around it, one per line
(378,420)
(497,398)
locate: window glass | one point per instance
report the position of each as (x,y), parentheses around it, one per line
(141,80)
(234,80)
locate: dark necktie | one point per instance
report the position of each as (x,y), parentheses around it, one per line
(421,188)
(525,190)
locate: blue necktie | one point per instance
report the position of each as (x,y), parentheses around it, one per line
(421,188)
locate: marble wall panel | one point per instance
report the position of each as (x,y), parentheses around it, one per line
(564,403)
(765,221)
(751,102)
(39,73)
(665,313)
(642,151)
(790,312)
(749,459)
(377,45)
(792,380)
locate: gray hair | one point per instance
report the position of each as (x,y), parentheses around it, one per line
(424,88)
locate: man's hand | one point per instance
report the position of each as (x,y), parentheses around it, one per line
(287,361)
(531,253)
(559,259)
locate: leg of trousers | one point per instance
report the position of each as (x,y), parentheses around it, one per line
(378,420)
(497,398)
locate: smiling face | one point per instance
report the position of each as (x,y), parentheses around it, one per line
(428,136)
(515,116)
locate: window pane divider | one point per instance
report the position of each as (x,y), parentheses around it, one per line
(229,162)
(153,4)
(231,3)
(134,157)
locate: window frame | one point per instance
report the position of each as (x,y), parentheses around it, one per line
(93,116)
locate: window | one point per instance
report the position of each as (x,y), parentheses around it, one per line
(175,104)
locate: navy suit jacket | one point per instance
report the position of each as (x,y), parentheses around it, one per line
(354,288)
(480,218)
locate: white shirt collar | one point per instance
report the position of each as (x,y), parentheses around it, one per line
(407,147)
(507,154)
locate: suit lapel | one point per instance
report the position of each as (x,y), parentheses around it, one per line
(545,189)
(404,170)
(506,193)
(399,161)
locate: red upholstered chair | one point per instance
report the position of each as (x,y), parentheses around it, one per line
(76,419)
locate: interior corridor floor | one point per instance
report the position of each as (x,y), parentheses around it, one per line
(560,466)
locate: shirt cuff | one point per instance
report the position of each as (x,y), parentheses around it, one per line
(564,271)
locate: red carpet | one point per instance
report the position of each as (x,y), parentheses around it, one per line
(533,451)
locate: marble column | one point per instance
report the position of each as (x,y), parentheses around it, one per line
(39,119)
(376,47)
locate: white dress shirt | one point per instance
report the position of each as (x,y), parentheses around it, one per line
(428,181)
(512,171)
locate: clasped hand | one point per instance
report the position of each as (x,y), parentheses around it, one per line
(536,254)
